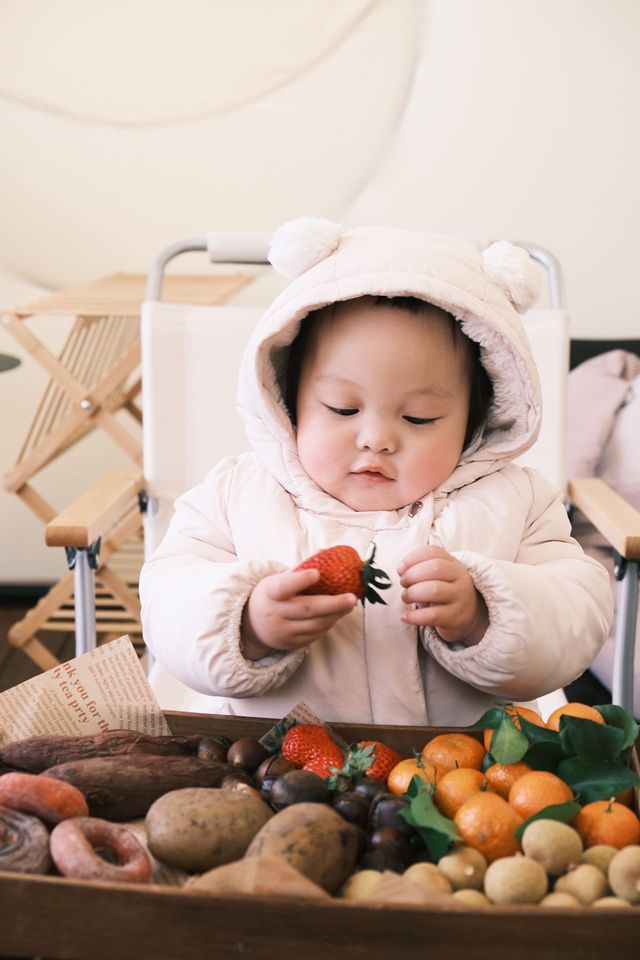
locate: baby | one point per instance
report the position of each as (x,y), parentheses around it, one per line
(386,393)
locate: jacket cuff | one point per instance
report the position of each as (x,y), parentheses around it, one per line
(244,677)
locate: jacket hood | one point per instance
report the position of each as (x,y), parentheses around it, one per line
(483,291)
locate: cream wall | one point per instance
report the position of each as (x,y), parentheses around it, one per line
(130,124)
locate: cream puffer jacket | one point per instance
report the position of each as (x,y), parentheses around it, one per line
(549,605)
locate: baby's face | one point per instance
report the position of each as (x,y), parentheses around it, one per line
(382,405)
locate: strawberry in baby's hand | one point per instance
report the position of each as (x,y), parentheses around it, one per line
(343,571)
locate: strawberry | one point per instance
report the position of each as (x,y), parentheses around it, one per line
(383,759)
(308,745)
(343,571)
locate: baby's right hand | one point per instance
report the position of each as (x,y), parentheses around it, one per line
(278,617)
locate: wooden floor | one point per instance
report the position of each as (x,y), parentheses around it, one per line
(16,666)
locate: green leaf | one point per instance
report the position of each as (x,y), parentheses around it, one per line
(438,844)
(556,811)
(537,734)
(596,780)
(590,740)
(616,716)
(508,744)
(545,755)
(491,719)
(437,832)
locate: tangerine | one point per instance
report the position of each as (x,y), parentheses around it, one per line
(488,823)
(606,821)
(403,773)
(451,750)
(513,713)
(537,789)
(457,786)
(574,709)
(502,776)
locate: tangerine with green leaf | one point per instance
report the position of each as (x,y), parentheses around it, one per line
(502,776)
(573,709)
(403,773)
(537,789)
(608,822)
(514,713)
(451,750)
(456,787)
(488,823)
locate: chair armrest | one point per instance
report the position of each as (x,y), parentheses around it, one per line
(609,513)
(94,513)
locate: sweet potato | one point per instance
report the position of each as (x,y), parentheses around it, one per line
(36,754)
(124,787)
(314,839)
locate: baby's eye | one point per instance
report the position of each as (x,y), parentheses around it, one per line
(420,420)
(343,411)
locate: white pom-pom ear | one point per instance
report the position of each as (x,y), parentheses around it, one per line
(298,245)
(512,269)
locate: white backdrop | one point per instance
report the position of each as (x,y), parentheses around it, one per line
(128,125)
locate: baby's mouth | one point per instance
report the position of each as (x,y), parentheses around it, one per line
(371,473)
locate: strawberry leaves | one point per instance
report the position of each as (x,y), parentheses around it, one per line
(373,580)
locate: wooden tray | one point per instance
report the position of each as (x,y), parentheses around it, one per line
(57,918)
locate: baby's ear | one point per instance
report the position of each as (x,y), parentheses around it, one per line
(512,269)
(298,245)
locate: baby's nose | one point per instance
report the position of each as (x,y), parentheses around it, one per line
(376,437)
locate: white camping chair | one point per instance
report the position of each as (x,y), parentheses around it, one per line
(190,360)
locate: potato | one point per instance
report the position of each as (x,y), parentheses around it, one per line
(198,828)
(314,839)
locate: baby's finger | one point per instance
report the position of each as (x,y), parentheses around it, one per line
(320,605)
(436,615)
(290,583)
(420,555)
(436,569)
(429,591)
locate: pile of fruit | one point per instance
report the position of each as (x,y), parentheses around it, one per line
(514,810)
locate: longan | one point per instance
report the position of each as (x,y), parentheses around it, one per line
(555,845)
(464,868)
(600,856)
(586,883)
(428,877)
(515,879)
(624,873)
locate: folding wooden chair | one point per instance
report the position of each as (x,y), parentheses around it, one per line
(93,378)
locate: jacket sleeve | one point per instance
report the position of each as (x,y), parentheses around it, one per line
(193,591)
(550,609)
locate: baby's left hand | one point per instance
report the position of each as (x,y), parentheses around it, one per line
(444,595)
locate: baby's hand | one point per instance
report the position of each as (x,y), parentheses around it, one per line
(277,617)
(444,596)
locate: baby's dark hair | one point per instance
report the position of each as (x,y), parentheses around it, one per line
(481,386)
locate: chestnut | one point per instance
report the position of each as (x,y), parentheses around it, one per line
(369,787)
(247,753)
(386,838)
(236,776)
(385,812)
(272,768)
(353,807)
(381,859)
(298,786)
(213,748)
